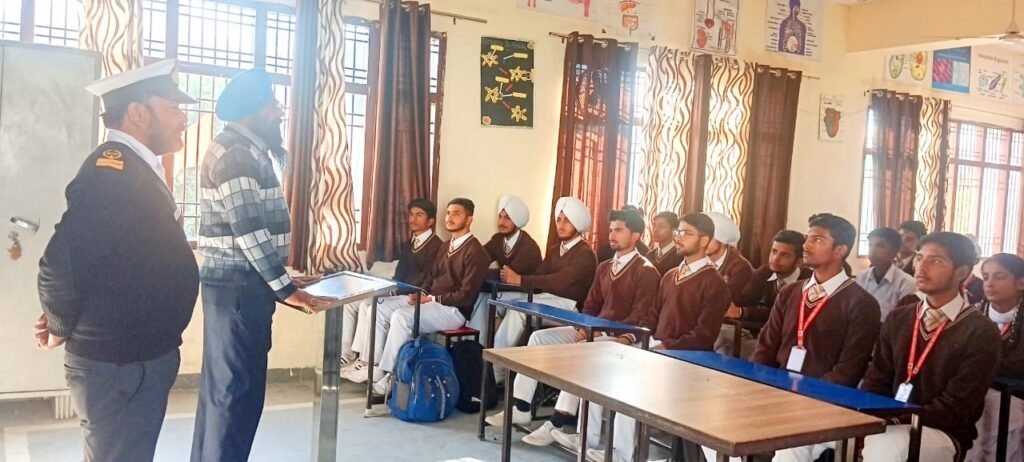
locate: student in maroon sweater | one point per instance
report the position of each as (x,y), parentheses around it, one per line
(415,258)
(693,297)
(954,353)
(624,290)
(1003,274)
(911,233)
(510,247)
(448,293)
(755,302)
(663,251)
(563,278)
(840,319)
(733,267)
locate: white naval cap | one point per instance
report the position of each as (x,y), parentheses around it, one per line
(157,79)
(516,209)
(576,211)
(726,230)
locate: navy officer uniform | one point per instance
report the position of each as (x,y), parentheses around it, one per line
(118,281)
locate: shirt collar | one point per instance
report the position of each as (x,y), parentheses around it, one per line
(830,285)
(721,260)
(951,309)
(260,144)
(1002,318)
(696,265)
(510,241)
(904,261)
(457,242)
(422,238)
(625,259)
(140,149)
(789,279)
(666,249)
(572,243)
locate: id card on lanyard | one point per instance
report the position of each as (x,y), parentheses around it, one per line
(798,354)
(914,364)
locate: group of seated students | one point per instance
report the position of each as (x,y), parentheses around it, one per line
(917,326)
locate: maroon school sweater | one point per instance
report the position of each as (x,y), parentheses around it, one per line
(690,310)
(627,297)
(838,341)
(665,262)
(567,276)
(524,257)
(457,275)
(951,385)
(737,273)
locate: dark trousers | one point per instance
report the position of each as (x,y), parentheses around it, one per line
(236,340)
(121,406)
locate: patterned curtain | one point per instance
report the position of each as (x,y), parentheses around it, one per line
(320,164)
(113,28)
(932,158)
(667,130)
(732,88)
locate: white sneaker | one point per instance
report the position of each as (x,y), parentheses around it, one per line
(568,440)
(382,386)
(518,417)
(595,455)
(540,436)
(355,372)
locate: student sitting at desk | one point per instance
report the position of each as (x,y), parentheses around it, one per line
(448,293)
(824,327)
(755,302)
(663,253)
(624,290)
(415,258)
(887,283)
(511,246)
(733,267)
(1004,282)
(564,277)
(940,354)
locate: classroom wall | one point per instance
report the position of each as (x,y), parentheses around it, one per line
(484,163)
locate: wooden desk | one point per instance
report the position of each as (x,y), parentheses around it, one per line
(733,416)
(573,318)
(346,287)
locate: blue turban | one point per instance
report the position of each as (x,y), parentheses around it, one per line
(245,95)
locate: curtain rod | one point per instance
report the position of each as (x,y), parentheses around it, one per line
(803,76)
(455,16)
(603,42)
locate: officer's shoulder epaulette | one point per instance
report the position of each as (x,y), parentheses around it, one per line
(111,159)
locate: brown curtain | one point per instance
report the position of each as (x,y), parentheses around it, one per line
(933,158)
(772,129)
(400,168)
(594,128)
(298,176)
(897,123)
(697,155)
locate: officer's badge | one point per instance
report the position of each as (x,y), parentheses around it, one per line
(112,159)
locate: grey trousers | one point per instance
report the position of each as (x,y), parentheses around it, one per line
(121,406)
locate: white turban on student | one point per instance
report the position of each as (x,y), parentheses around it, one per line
(726,230)
(516,209)
(577,213)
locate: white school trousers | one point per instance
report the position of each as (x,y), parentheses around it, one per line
(984,448)
(723,344)
(478,320)
(351,340)
(395,320)
(891,446)
(525,387)
(514,323)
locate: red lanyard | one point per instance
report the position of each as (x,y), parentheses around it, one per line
(801,325)
(913,367)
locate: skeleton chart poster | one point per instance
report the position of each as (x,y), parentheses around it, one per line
(506,82)
(626,17)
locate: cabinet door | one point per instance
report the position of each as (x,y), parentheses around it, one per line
(48,125)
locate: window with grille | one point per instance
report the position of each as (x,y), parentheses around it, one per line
(983,184)
(867,192)
(50,22)
(361,45)
(10,19)
(636,145)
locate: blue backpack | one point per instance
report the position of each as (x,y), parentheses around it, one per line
(425,388)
